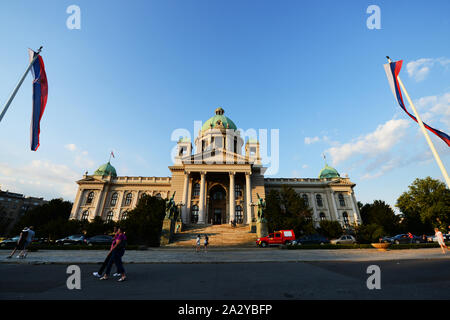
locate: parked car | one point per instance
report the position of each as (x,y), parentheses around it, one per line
(277,238)
(10,242)
(101,239)
(433,238)
(312,239)
(344,239)
(73,239)
(404,238)
(385,239)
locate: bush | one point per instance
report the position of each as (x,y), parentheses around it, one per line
(369,233)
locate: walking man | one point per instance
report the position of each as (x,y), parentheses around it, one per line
(20,243)
(197,243)
(28,241)
(206,242)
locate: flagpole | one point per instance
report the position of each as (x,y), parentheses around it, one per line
(13,94)
(425,132)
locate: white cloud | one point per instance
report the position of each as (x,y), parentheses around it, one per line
(305,166)
(435,108)
(309,140)
(70,147)
(382,140)
(420,68)
(40,178)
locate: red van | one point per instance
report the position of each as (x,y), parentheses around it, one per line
(276,238)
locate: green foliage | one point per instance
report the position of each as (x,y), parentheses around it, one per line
(369,233)
(144,223)
(330,229)
(286,209)
(381,214)
(97,226)
(49,220)
(425,205)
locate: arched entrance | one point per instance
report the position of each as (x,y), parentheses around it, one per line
(217,205)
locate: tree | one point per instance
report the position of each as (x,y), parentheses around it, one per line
(425,205)
(381,214)
(49,220)
(330,229)
(286,209)
(369,233)
(144,223)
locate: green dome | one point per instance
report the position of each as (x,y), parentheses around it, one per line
(106,170)
(217,120)
(328,172)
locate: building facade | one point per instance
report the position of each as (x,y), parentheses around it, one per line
(216,184)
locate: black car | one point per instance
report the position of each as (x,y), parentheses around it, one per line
(73,239)
(103,239)
(405,238)
(312,239)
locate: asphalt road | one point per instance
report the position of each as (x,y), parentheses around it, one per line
(406,279)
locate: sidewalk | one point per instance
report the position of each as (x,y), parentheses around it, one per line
(225,255)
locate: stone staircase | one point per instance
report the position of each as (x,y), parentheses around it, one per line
(219,236)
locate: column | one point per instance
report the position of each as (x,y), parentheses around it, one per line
(185,198)
(188,204)
(248,190)
(201,209)
(119,205)
(355,208)
(76,204)
(333,201)
(232,199)
(314,205)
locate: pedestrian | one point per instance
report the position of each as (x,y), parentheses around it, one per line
(197,244)
(20,243)
(28,241)
(99,273)
(410,236)
(440,239)
(117,251)
(206,242)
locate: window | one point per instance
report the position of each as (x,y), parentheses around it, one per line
(128,199)
(196,190)
(319,200)
(238,191)
(124,215)
(90,198)
(85,215)
(194,215)
(322,216)
(341,200)
(114,199)
(345,216)
(239,215)
(305,199)
(109,216)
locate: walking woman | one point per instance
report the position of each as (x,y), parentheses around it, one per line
(20,243)
(206,242)
(440,239)
(117,252)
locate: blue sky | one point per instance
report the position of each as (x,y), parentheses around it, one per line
(138,70)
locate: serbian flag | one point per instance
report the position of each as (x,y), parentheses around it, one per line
(40,93)
(392,70)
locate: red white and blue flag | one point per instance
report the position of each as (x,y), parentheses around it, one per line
(392,70)
(40,93)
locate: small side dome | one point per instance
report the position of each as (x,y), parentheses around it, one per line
(106,170)
(328,172)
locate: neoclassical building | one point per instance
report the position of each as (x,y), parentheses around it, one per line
(218,183)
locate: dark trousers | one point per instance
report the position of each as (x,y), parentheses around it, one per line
(116,258)
(105,263)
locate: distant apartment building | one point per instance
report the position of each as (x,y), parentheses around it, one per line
(13,206)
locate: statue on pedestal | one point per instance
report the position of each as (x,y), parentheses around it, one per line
(171,208)
(261,209)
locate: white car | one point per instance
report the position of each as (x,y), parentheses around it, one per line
(345,239)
